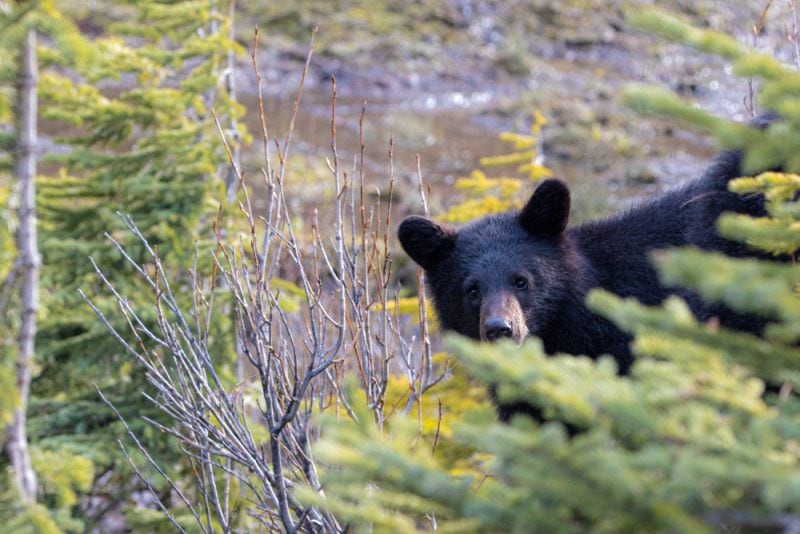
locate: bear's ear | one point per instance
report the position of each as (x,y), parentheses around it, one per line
(425,241)
(547,211)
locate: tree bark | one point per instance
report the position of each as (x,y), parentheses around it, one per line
(16,444)
(232,178)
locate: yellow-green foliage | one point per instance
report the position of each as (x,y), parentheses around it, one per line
(685,435)
(688,433)
(33,519)
(9,398)
(148,521)
(62,475)
(7,223)
(526,151)
(5,106)
(360,442)
(410,306)
(441,410)
(780,232)
(485,195)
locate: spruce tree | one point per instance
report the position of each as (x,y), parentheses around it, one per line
(23,484)
(135,135)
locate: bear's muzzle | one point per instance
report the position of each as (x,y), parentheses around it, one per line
(502,317)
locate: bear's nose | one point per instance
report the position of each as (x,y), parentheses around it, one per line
(496,328)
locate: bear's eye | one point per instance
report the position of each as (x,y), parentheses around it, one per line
(473,293)
(521,282)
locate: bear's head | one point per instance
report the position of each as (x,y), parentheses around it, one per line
(501,276)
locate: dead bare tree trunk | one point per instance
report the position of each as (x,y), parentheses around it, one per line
(16,444)
(232,177)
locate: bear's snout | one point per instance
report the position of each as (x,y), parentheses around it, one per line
(497,327)
(502,317)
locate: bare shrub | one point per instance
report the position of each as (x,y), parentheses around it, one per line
(248,442)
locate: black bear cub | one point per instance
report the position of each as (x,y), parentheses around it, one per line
(524,273)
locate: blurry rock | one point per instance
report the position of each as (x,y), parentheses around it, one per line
(640,172)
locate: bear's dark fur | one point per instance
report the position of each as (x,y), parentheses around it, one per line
(525,273)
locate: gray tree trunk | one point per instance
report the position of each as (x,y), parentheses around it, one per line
(16,444)
(232,178)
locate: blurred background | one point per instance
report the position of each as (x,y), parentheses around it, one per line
(444,78)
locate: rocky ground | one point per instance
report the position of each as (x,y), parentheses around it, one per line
(445,77)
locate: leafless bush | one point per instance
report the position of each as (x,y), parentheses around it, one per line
(292,361)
